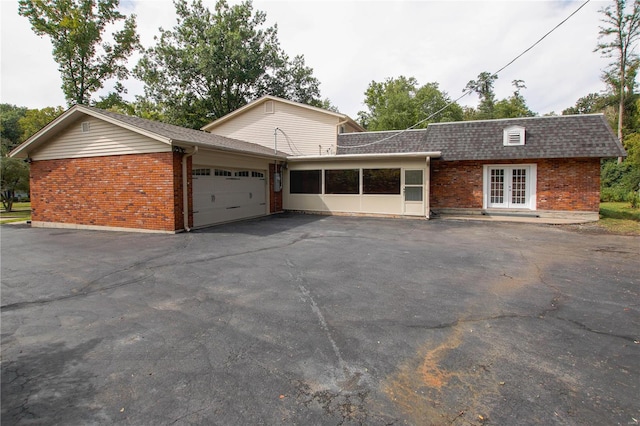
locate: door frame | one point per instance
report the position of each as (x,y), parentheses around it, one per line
(531,188)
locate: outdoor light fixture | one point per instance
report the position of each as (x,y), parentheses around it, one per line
(179,150)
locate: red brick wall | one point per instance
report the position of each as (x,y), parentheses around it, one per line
(141,191)
(572,184)
(562,184)
(275,198)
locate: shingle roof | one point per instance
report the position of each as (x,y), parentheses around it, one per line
(185,135)
(575,136)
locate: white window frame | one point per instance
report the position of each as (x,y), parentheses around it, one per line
(513,136)
(532,177)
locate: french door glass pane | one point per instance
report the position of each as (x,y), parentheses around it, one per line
(497,186)
(518,186)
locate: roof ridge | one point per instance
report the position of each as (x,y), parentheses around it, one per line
(493,120)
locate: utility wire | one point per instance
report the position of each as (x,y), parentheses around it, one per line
(469,91)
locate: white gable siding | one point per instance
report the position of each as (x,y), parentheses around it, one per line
(102,139)
(302,131)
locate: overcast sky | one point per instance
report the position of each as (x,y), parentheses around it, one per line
(350,43)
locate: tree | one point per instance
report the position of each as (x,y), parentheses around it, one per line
(514,106)
(76,29)
(400,103)
(212,63)
(10,131)
(620,32)
(14,177)
(36,119)
(483,87)
(589,104)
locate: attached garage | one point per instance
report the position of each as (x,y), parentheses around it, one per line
(224,195)
(96,169)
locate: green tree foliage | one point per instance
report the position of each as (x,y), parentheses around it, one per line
(76,29)
(483,87)
(514,106)
(14,176)
(589,104)
(212,63)
(10,131)
(618,34)
(36,119)
(400,103)
(489,108)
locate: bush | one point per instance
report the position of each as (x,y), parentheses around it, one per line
(619,182)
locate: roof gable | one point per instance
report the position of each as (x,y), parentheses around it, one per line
(260,102)
(546,137)
(161,132)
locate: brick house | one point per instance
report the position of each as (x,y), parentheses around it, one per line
(96,169)
(536,166)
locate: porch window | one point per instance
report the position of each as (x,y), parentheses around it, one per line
(381,181)
(342,181)
(305,182)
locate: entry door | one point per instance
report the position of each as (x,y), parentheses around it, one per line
(413,192)
(509,187)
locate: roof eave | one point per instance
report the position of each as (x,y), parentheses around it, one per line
(347,157)
(281,156)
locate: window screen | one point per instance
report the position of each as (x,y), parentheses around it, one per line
(304,182)
(342,181)
(381,181)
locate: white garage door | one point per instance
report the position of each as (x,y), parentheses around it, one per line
(224,195)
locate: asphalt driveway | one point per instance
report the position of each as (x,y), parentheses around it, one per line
(300,319)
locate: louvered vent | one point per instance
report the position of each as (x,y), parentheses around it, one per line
(513,136)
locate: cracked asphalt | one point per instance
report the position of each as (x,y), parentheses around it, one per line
(298,319)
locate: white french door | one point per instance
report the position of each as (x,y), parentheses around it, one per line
(510,187)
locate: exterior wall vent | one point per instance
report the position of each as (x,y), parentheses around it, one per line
(86,127)
(269,107)
(513,136)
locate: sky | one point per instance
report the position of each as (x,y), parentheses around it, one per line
(349,44)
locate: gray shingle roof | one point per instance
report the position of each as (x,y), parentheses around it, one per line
(181,134)
(575,136)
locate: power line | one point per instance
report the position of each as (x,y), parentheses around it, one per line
(469,91)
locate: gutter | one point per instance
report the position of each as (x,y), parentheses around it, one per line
(185,189)
(346,157)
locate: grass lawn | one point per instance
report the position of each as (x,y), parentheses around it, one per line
(619,218)
(20,213)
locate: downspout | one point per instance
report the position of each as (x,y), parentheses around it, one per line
(185,189)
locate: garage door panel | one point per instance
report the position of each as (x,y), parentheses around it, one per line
(218,199)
